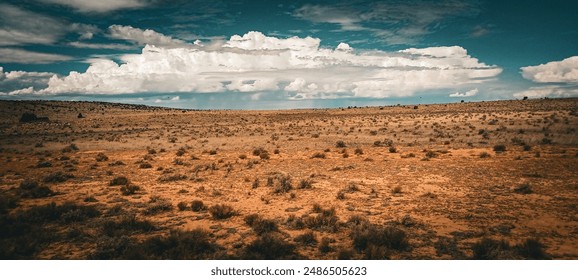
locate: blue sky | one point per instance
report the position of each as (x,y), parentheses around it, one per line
(287,54)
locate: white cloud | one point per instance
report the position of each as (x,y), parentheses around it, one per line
(468,93)
(99,6)
(13,55)
(400,22)
(548,91)
(144,37)
(21,82)
(82,45)
(297,67)
(19,27)
(565,71)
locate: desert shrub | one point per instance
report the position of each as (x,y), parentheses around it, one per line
(182,206)
(44,164)
(344,254)
(119,181)
(318,155)
(351,188)
(484,155)
(197,205)
(305,184)
(260,225)
(24,233)
(269,246)
(396,190)
(145,165)
(180,152)
(280,183)
(376,241)
(324,245)
(358,151)
(258,151)
(242,156)
(410,155)
(490,249)
(357,220)
(67,212)
(340,144)
(69,148)
(325,220)
(546,141)
(158,205)
(255,183)
(308,238)
(58,177)
(31,189)
(499,148)
(532,249)
(171,178)
(178,245)
(126,225)
(222,211)
(101,157)
(129,189)
(264,155)
(116,163)
(523,189)
(392,149)
(294,222)
(430,154)
(340,195)
(527,148)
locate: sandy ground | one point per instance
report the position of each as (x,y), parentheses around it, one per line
(431,171)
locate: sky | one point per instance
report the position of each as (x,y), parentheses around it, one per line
(287,54)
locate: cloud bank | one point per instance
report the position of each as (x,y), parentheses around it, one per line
(565,71)
(21,82)
(564,74)
(296,67)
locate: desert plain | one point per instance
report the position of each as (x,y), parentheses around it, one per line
(469,180)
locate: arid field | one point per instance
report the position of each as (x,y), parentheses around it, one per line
(488,180)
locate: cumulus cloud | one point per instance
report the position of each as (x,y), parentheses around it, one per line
(21,82)
(13,55)
(144,37)
(100,6)
(468,93)
(565,71)
(296,67)
(394,22)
